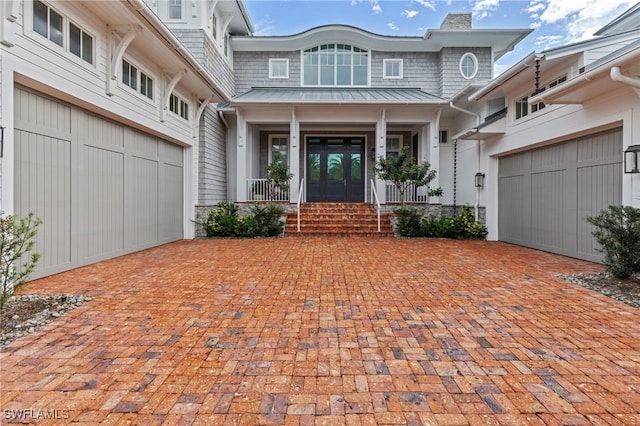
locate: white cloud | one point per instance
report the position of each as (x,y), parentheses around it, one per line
(483,8)
(264,27)
(409,13)
(548,41)
(579,18)
(392,26)
(429,4)
(375,5)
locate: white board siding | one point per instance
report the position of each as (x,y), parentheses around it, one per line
(102,190)
(546,194)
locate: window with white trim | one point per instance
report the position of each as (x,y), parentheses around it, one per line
(279,148)
(335,64)
(394,145)
(175,9)
(444,136)
(214,26)
(468,65)
(178,106)
(48,23)
(136,79)
(57,28)
(522,106)
(278,68)
(392,68)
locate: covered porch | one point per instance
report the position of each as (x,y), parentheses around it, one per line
(330,140)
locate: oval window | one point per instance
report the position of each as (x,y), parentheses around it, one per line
(468,65)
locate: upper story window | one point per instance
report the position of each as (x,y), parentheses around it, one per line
(47,22)
(175,9)
(57,28)
(392,68)
(136,79)
(179,106)
(335,64)
(278,68)
(214,26)
(468,65)
(522,106)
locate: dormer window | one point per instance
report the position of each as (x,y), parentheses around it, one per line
(175,9)
(335,64)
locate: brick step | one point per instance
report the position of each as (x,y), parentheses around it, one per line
(338,219)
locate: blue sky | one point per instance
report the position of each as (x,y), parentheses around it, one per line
(555,22)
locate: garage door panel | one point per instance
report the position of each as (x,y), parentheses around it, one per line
(598,186)
(102,189)
(43,185)
(564,184)
(171,203)
(143,219)
(512,209)
(548,209)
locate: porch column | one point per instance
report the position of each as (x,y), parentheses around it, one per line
(294,157)
(241,158)
(381,152)
(430,140)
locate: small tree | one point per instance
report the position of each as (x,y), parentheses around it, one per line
(17,238)
(617,230)
(402,170)
(278,177)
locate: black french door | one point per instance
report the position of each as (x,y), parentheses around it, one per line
(335,169)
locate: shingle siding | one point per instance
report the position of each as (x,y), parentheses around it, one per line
(252,70)
(452,80)
(212,166)
(202,48)
(420,69)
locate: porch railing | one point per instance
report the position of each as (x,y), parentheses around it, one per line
(263,190)
(411,193)
(374,199)
(300,197)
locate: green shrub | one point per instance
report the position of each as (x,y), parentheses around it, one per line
(617,230)
(462,226)
(466,227)
(263,221)
(17,238)
(408,224)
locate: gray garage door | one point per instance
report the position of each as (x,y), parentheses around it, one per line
(101,188)
(545,194)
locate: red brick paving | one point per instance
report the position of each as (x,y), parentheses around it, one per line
(323,331)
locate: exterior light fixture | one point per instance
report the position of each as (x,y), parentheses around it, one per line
(373,153)
(632,159)
(479,180)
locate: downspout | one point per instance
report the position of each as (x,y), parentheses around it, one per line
(616,75)
(478,121)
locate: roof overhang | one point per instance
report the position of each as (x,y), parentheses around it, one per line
(158,43)
(499,40)
(603,76)
(336,96)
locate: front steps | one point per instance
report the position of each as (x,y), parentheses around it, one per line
(338,219)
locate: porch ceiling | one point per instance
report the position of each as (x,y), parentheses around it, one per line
(366,96)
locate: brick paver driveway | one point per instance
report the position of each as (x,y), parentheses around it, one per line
(330,331)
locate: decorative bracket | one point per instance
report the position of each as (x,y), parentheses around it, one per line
(168,89)
(115,53)
(9,14)
(201,108)
(211,6)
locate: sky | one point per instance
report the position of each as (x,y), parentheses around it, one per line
(555,22)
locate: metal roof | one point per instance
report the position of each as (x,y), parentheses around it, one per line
(334,95)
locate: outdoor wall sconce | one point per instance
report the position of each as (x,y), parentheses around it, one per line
(631,162)
(373,153)
(479,180)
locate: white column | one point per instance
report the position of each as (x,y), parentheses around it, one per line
(294,157)
(381,152)
(241,157)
